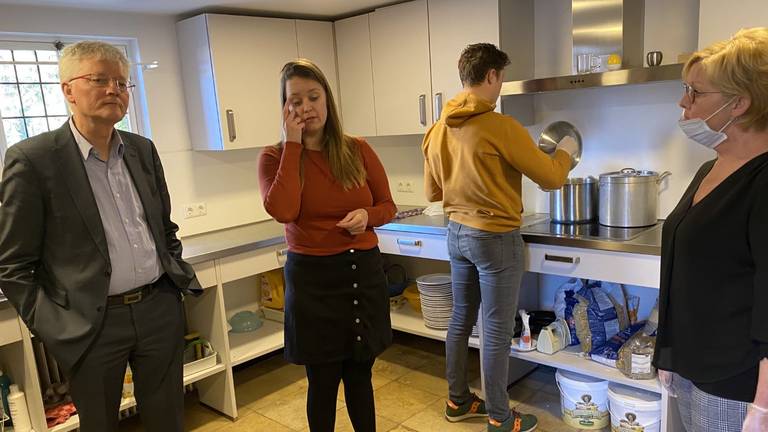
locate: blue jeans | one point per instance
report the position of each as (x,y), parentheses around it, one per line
(487,267)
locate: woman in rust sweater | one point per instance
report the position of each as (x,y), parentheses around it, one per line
(330,190)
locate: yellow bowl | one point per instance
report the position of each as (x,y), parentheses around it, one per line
(411,294)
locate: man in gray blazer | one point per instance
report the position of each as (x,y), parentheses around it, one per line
(88,253)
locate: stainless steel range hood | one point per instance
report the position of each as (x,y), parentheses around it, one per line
(603,27)
(601,79)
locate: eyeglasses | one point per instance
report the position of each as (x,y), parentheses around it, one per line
(692,92)
(101,81)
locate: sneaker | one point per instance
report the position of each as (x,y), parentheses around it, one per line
(515,423)
(474,407)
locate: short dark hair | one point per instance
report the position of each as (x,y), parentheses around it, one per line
(477,59)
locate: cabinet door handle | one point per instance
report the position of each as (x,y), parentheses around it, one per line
(231,125)
(438,107)
(562,259)
(423,109)
(404,242)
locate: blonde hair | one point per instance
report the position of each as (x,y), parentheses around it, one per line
(739,67)
(342,151)
(72,55)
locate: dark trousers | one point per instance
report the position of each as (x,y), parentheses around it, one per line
(150,336)
(324,381)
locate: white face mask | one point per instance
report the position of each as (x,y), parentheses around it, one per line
(698,130)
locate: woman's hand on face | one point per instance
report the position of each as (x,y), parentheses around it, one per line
(355,221)
(293,124)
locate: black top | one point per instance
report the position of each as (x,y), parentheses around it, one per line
(713,304)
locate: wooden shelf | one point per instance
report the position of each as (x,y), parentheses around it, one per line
(247,346)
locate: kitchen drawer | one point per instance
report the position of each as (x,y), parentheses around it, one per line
(413,244)
(626,268)
(251,263)
(9,325)
(206,273)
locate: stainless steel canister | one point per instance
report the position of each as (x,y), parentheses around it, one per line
(630,197)
(575,202)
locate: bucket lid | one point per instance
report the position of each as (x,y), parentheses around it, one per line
(434,279)
(574,378)
(633,396)
(629,175)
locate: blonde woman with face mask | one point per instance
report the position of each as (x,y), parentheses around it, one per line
(712,345)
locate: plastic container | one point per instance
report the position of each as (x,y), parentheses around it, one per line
(19,412)
(583,400)
(634,410)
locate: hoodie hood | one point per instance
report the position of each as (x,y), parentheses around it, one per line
(463,107)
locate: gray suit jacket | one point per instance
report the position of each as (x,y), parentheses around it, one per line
(54,262)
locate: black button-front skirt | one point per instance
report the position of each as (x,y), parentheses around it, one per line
(336,307)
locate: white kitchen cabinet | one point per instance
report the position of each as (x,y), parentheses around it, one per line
(353,53)
(315,42)
(230,68)
(479,23)
(401,68)
(413,54)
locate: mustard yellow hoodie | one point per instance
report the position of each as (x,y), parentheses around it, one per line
(474,159)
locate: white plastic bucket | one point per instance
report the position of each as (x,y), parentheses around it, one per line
(634,410)
(583,400)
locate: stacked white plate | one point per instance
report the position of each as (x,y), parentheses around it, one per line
(436,299)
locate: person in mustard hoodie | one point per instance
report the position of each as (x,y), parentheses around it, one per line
(474,162)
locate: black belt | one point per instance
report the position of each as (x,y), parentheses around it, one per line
(133,296)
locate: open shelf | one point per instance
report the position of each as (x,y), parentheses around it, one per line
(407,320)
(569,359)
(249,345)
(205,373)
(74,421)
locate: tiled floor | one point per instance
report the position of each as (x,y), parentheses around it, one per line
(409,386)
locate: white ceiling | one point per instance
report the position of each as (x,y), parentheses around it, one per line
(304,8)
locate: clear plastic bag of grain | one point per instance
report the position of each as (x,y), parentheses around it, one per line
(635,357)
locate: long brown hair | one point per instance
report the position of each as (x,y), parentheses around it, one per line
(341,150)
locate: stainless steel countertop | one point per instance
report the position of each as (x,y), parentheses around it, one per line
(218,244)
(647,243)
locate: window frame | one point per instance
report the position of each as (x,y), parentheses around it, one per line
(137,110)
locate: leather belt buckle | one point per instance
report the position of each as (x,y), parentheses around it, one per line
(133,297)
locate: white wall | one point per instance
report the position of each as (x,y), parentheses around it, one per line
(719,19)
(671,26)
(227,182)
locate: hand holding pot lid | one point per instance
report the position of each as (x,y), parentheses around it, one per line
(568,145)
(552,136)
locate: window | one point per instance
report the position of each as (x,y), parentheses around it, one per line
(31,101)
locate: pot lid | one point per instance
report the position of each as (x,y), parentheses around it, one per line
(580,180)
(629,175)
(554,132)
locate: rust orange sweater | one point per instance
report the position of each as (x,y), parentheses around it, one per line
(474,160)
(311,210)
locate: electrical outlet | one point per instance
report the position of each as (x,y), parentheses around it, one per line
(195,210)
(405,186)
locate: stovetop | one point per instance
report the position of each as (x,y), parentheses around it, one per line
(588,231)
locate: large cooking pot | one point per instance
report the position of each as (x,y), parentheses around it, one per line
(575,202)
(629,198)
